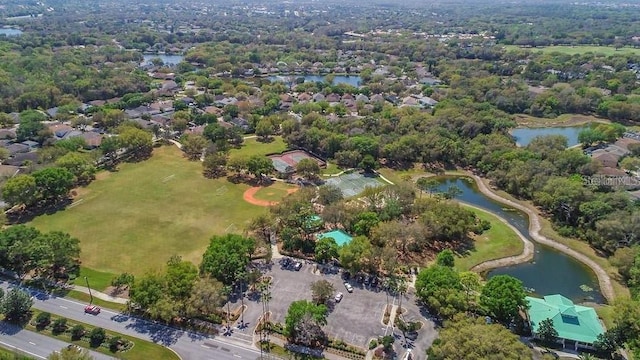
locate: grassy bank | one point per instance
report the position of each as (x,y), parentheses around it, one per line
(252,147)
(497,242)
(529,121)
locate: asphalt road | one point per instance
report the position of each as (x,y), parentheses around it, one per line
(33,344)
(187,344)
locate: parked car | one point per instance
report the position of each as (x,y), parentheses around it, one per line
(92,309)
(348,287)
(297,266)
(339,297)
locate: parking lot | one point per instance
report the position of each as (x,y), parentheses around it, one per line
(356,319)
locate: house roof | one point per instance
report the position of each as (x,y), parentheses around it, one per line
(572,322)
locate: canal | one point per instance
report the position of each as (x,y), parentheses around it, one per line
(550,271)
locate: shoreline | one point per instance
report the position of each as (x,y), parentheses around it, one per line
(604,280)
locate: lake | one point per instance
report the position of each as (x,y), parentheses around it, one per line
(338,79)
(550,271)
(10,32)
(523,136)
(166,59)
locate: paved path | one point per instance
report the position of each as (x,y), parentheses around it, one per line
(100,295)
(604,279)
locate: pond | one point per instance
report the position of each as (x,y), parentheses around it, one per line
(166,59)
(550,271)
(523,136)
(10,32)
(338,79)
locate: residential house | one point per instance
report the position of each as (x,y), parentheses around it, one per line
(606,159)
(19,159)
(17,148)
(6,134)
(304,97)
(241,123)
(363,98)
(59,129)
(410,101)
(213,110)
(577,326)
(8,171)
(333,98)
(318,97)
(377,98)
(162,120)
(92,139)
(33,145)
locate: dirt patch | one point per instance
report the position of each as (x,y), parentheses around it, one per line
(250,197)
(123,293)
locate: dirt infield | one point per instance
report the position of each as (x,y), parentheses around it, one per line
(249,196)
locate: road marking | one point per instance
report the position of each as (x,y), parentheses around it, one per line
(238,356)
(32,343)
(64,307)
(22,350)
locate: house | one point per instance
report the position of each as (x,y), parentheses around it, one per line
(318,97)
(333,98)
(8,171)
(20,159)
(409,101)
(31,144)
(304,97)
(169,85)
(606,159)
(377,98)
(577,326)
(92,139)
(213,110)
(17,149)
(363,98)
(59,129)
(7,134)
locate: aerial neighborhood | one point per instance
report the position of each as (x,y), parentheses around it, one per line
(319,180)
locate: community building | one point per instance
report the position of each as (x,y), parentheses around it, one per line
(577,326)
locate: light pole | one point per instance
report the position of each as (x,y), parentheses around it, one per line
(88,287)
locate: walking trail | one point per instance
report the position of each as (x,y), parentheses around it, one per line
(604,279)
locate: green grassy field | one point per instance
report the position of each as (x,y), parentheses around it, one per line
(135,219)
(273,192)
(562,120)
(497,242)
(252,147)
(572,50)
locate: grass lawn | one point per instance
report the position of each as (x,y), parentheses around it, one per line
(498,242)
(6,353)
(274,192)
(562,120)
(133,220)
(331,169)
(252,147)
(141,350)
(572,50)
(97,279)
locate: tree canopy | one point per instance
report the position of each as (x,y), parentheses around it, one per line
(226,256)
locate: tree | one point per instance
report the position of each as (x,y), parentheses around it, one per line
(445,258)
(61,254)
(77,332)
(426,184)
(308,168)
(20,190)
(546,332)
(439,287)
(354,254)
(80,165)
(471,285)
(368,163)
(147,290)
(471,338)
(71,353)
(322,291)
(226,256)
(264,129)
(53,183)
(607,342)
(329,194)
(206,296)
(138,143)
(214,164)
(259,166)
(123,280)
(193,146)
(16,305)
(59,325)
(16,245)
(181,277)
(326,250)
(303,323)
(503,296)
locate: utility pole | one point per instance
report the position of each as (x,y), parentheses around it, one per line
(89,287)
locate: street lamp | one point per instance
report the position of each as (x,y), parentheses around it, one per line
(88,287)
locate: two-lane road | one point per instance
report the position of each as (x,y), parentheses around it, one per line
(33,344)
(187,344)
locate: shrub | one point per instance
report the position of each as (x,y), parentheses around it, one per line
(97,337)
(59,325)
(77,332)
(43,319)
(373,344)
(114,343)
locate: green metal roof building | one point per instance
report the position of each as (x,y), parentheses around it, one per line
(576,325)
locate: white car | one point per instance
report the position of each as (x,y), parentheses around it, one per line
(348,287)
(339,297)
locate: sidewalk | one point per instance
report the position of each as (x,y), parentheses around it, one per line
(100,295)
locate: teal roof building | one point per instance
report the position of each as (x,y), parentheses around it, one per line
(576,325)
(341,237)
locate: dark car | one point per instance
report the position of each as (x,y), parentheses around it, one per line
(297,266)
